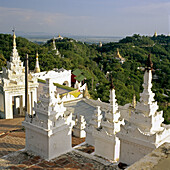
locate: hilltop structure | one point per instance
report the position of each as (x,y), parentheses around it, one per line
(55,49)
(155,34)
(143,131)
(54,46)
(59,37)
(12,87)
(119,57)
(100,44)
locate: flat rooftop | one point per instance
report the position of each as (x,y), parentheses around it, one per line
(14,156)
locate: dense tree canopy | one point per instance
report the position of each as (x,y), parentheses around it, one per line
(95,62)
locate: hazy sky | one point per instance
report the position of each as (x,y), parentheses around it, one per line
(86,17)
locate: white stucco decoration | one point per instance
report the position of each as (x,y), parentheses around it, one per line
(94,123)
(107,144)
(48,133)
(60,76)
(12,87)
(143,130)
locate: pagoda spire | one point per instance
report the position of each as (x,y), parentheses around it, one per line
(14,39)
(147,85)
(147,96)
(118,54)
(54,46)
(134,101)
(149,64)
(111,84)
(14,55)
(86,93)
(113,103)
(37,67)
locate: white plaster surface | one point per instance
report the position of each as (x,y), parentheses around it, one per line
(143,130)
(59,76)
(12,86)
(107,144)
(48,133)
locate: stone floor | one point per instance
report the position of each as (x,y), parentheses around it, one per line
(77,141)
(12,135)
(13,155)
(11,142)
(71,160)
(7,125)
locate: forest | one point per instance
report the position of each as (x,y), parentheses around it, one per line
(96,62)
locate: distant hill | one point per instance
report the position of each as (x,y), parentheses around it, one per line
(42,37)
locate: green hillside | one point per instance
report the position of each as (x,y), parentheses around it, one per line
(96,61)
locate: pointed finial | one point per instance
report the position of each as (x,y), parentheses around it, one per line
(37,54)
(14,37)
(37,67)
(118,52)
(111,83)
(13,30)
(149,64)
(86,93)
(134,101)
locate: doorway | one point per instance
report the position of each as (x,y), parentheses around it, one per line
(16,105)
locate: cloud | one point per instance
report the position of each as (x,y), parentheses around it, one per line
(116,19)
(33,21)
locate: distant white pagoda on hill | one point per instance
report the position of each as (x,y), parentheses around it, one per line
(55,49)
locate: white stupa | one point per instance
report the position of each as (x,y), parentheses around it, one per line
(144,131)
(48,132)
(107,144)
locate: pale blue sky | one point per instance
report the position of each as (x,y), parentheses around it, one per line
(86,17)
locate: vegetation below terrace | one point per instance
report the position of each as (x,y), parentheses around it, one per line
(96,61)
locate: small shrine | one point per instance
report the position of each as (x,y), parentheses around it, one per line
(107,145)
(49,130)
(12,87)
(143,132)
